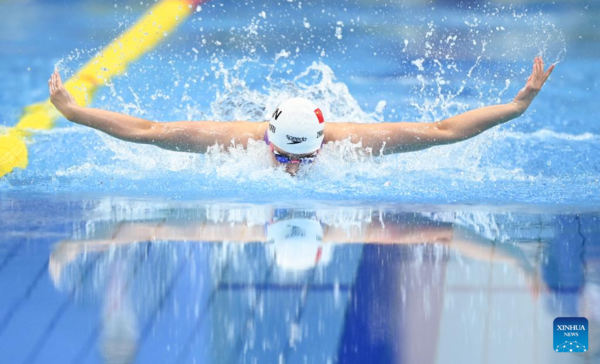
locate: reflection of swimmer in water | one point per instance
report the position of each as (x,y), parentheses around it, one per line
(296,130)
(294,243)
(297,242)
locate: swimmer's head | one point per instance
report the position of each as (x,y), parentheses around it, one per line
(296,126)
(297,245)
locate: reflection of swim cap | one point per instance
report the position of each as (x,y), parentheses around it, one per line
(297,244)
(297,126)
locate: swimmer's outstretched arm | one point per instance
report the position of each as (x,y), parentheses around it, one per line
(183,136)
(407,137)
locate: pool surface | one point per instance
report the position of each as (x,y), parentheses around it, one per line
(467,253)
(117,280)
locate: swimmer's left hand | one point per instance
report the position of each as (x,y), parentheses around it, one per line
(534,84)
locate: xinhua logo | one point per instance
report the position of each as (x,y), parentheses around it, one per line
(570,334)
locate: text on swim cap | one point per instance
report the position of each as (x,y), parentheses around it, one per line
(272,128)
(295,140)
(319,133)
(295,232)
(276,114)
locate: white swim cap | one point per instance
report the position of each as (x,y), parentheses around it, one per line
(297,244)
(297,126)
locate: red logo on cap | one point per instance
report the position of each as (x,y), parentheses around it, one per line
(319,116)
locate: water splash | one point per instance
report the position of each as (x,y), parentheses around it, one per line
(443,63)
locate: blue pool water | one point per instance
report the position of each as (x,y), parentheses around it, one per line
(114,280)
(119,253)
(359,62)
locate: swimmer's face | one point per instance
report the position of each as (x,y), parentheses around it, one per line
(291,168)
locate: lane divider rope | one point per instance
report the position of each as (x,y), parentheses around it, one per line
(152,28)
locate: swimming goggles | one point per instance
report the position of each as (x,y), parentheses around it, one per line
(282,158)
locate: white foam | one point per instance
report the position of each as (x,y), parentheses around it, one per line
(545,134)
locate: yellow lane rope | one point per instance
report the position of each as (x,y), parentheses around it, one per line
(143,36)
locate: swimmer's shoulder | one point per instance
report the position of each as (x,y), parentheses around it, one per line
(260,129)
(340,131)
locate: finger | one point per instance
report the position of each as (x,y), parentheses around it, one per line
(53,81)
(59,79)
(56,81)
(549,72)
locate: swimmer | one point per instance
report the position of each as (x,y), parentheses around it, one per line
(297,129)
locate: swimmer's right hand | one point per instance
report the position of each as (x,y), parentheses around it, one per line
(60,97)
